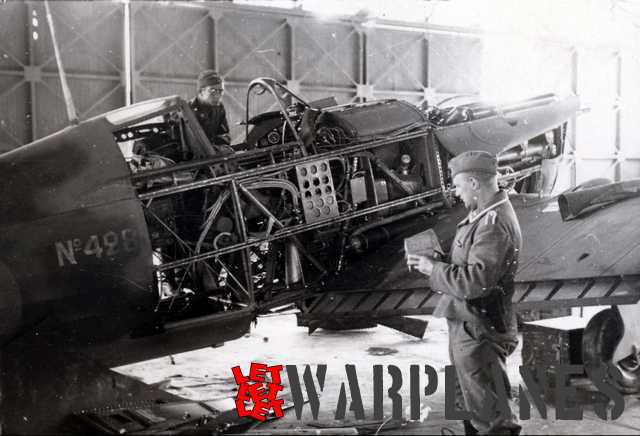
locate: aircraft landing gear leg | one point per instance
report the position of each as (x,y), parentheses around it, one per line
(603,340)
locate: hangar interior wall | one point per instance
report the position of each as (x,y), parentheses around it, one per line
(169,44)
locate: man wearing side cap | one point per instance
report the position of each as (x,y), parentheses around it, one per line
(476,283)
(209,108)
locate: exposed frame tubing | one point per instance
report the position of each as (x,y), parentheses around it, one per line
(269,84)
(185,245)
(277,222)
(235,279)
(276,183)
(215,209)
(394,218)
(370,180)
(242,230)
(302,228)
(204,163)
(256,172)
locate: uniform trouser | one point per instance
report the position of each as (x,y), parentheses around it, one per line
(480,364)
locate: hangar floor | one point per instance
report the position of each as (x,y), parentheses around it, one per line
(206,374)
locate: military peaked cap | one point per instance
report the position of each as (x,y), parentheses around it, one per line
(208,78)
(473,161)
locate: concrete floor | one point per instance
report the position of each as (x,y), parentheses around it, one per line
(206,374)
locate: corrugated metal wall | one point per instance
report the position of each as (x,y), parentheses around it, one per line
(598,84)
(171,43)
(314,58)
(630,114)
(90,41)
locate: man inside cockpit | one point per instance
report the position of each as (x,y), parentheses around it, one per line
(209,109)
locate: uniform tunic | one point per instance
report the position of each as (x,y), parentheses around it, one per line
(477,286)
(213,119)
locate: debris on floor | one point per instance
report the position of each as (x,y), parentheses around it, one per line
(381,351)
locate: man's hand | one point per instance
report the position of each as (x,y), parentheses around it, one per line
(423,264)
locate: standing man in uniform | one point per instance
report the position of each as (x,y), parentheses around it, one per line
(477,286)
(209,108)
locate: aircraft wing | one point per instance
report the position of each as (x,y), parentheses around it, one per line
(602,243)
(592,260)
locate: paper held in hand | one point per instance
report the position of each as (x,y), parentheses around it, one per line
(423,244)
